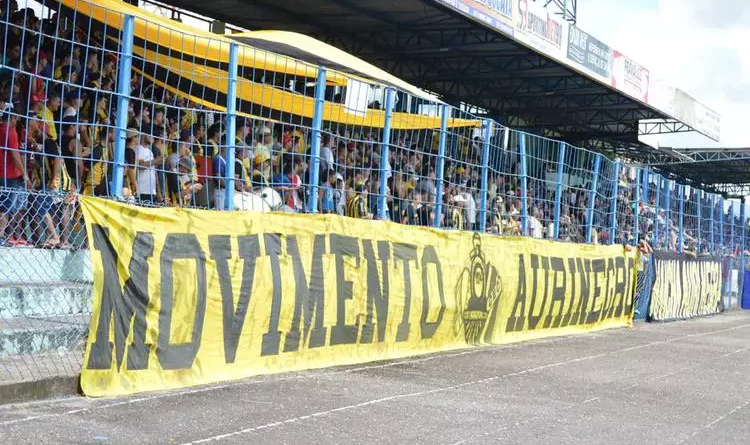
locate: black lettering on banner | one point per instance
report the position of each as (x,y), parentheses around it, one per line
(598,266)
(405,253)
(377,295)
(233,319)
(517,317)
(430,256)
(584,269)
(343,246)
(180,246)
(533,318)
(126,306)
(270,343)
(308,301)
(557,266)
(568,318)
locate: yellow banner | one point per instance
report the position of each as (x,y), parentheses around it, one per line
(186,297)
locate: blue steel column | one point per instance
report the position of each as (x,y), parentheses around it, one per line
(485,168)
(384,153)
(592,199)
(731,226)
(123,99)
(741,290)
(680,236)
(638,179)
(317,126)
(231,129)
(698,214)
(667,212)
(558,188)
(721,225)
(655,225)
(615,191)
(444,110)
(711,221)
(524,188)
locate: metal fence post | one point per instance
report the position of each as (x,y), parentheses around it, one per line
(698,214)
(615,192)
(711,221)
(317,126)
(558,188)
(123,99)
(524,188)
(667,212)
(592,199)
(637,209)
(721,224)
(742,251)
(231,129)
(384,154)
(444,110)
(655,225)
(731,226)
(485,173)
(680,236)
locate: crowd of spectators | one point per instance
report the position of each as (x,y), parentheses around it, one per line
(58,102)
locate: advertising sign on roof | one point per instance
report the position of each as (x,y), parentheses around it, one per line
(629,77)
(589,53)
(540,28)
(497,14)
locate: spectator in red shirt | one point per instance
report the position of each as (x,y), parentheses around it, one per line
(14,182)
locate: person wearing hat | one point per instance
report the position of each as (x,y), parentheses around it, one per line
(186,186)
(261,165)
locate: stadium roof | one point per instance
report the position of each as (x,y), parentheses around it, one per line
(443,51)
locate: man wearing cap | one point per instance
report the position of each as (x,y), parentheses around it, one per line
(261,164)
(47,114)
(266,149)
(186,186)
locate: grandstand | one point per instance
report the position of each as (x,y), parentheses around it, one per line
(105,99)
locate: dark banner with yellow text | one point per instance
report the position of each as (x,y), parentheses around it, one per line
(685,286)
(186,297)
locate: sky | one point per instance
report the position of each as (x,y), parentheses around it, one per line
(700,46)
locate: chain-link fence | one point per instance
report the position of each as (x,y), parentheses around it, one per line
(124,105)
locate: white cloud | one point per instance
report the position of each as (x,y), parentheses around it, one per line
(697,45)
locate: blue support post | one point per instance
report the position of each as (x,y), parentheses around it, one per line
(592,199)
(667,213)
(317,127)
(384,153)
(721,225)
(613,211)
(524,188)
(558,188)
(444,110)
(485,173)
(680,236)
(637,210)
(741,290)
(231,129)
(731,227)
(655,227)
(711,221)
(698,214)
(123,99)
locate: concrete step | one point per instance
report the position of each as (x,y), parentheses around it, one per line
(44,266)
(36,335)
(48,300)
